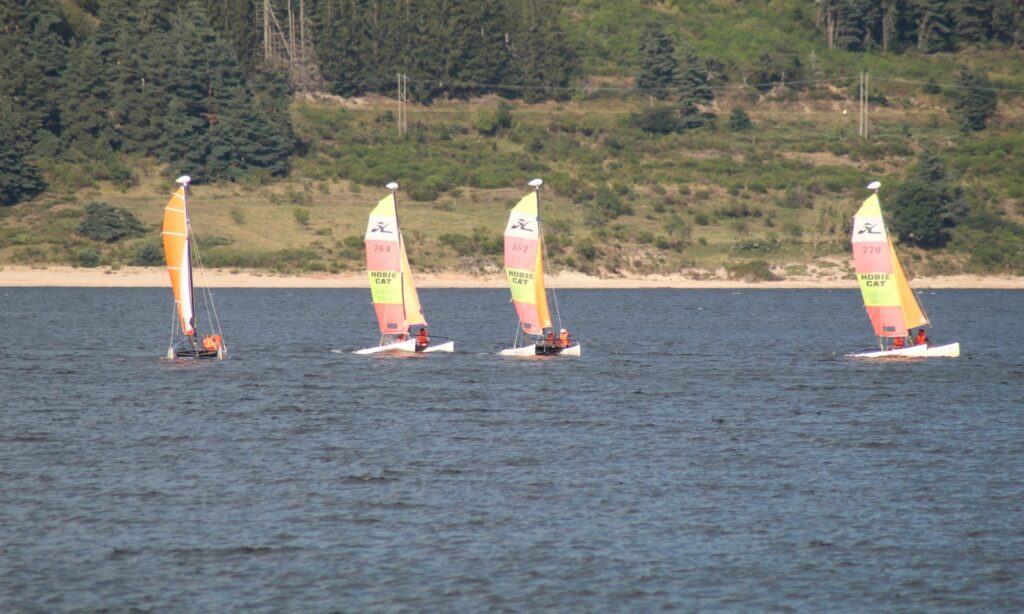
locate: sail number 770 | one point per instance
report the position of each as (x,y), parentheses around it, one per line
(870,249)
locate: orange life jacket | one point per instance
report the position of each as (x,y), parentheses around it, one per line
(921,338)
(897,342)
(208,343)
(564,338)
(421,339)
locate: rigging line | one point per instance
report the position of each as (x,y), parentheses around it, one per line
(174,323)
(554,295)
(540,231)
(211,307)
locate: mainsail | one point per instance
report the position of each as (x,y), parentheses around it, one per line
(178,252)
(391,284)
(524,265)
(891,303)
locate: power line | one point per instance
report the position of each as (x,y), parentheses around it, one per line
(730,86)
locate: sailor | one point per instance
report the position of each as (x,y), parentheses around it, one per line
(209,343)
(421,340)
(898,343)
(551,338)
(564,339)
(922,338)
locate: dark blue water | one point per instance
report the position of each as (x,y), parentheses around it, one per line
(711,450)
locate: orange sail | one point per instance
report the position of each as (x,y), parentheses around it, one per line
(891,303)
(524,265)
(178,252)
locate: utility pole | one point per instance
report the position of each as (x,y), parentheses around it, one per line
(403,98)
(862,124)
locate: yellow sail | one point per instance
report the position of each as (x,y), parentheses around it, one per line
(910,305)
(413,310)
(177,253)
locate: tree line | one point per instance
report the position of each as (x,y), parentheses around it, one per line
(204,85)
(925,25)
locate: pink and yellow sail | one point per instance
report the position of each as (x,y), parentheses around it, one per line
(524,265)
(178,252)
(391,283)
(889,300)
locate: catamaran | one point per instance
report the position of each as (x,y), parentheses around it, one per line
(524,266)
(891,303)
(402,324)
(179,250)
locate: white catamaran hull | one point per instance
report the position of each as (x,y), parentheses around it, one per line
(409,345)
(441,347)
(531,350)
(950,350)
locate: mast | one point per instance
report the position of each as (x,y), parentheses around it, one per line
(393,186)
(184,180)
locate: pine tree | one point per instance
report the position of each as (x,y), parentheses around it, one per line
(86,100)
(480,56)
(343,44)
(973,20)
(974,100)
(1008,22)
(32,58)
(658,63)
(233,20)
(927,205)
(214,128)
(934,24)
(694,90)
(19,179)
(544,62)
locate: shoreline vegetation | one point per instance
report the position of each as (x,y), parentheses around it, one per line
(147,277)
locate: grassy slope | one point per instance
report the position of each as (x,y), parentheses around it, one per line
(701,199)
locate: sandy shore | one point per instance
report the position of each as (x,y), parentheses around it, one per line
(142,277)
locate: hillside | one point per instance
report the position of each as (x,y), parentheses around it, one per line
(773,198)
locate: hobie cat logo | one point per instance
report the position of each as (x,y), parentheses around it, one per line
(381,227)
(521,224)
(869,228)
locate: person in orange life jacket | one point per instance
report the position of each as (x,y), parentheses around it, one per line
(922,338)
(898,342)
(421,338)
(211,342)
(563,338)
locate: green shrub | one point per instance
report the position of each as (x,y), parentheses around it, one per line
(586,249)
(149,253)
(751,270)
(657,120)
(88,257)
(423,193)
(301,216)
(109,224)
(739,120)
